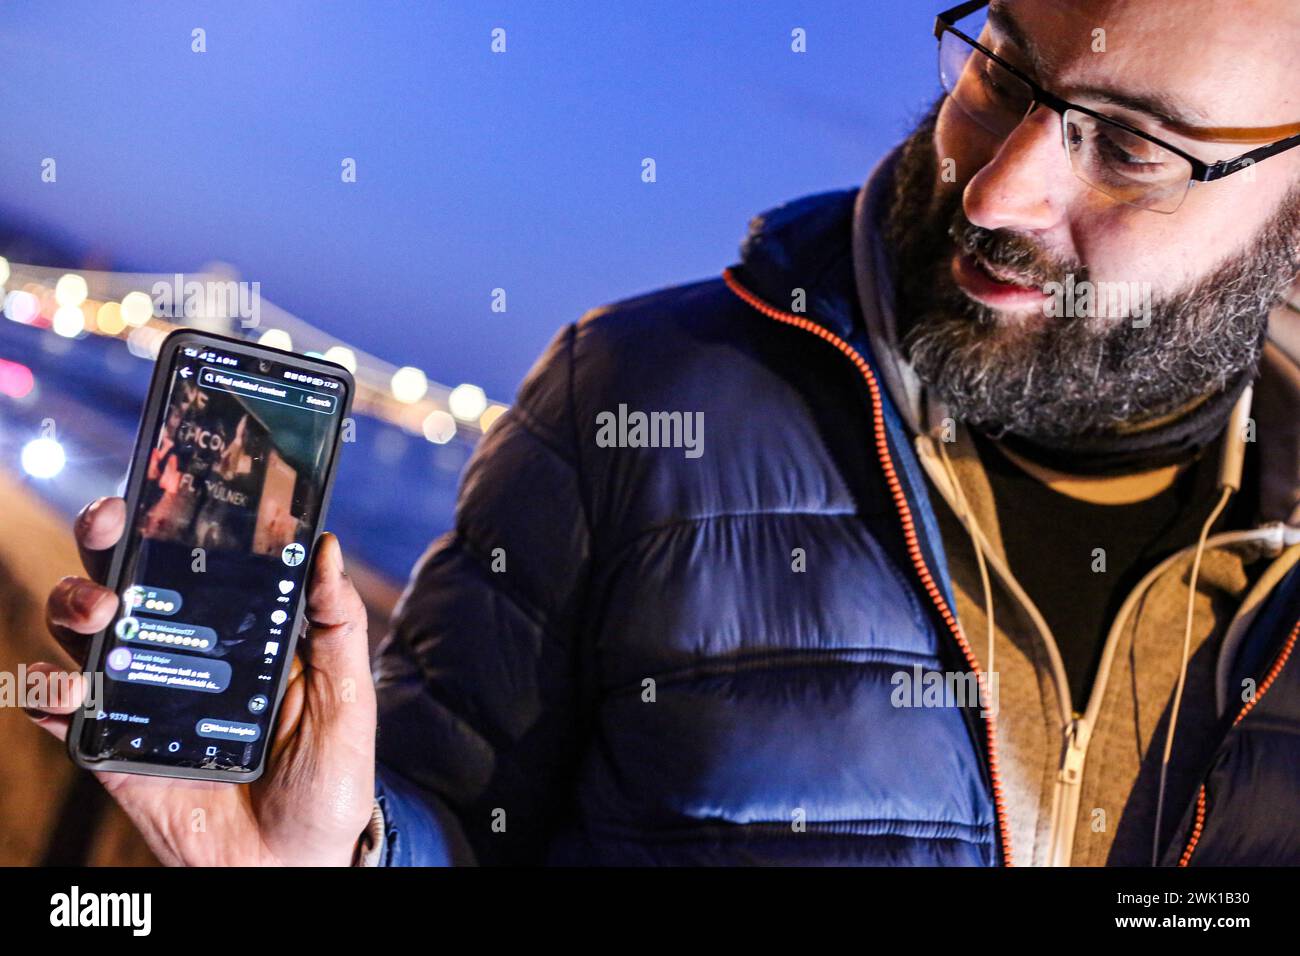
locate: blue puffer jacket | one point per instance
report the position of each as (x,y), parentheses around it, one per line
(632,656)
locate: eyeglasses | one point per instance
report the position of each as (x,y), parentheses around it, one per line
(1117,159)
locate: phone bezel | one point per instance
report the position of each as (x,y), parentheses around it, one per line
(158,390)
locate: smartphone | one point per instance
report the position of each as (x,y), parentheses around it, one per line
(226,494)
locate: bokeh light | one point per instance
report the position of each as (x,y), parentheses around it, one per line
(409,384)
(16,379)
(342,355)
(21,306)
(69,321)
(70,290)
(439,427)
(137,309)
(490,416)
(467,402)
(43,458)
(276,339)
(109,318)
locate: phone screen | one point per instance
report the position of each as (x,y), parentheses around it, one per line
(215,561)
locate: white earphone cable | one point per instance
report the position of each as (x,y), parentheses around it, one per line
(975,532)
(1182,672)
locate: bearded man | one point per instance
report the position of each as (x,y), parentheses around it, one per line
(966,571)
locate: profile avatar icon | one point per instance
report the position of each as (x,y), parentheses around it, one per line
(127,628)
(293,554)
(119,659)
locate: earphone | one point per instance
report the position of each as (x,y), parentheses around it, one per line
(1233,459)
(1231,466)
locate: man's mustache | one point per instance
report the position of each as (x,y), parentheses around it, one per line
(1012,256)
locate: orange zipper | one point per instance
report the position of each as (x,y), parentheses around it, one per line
(1199,826)
(909,527)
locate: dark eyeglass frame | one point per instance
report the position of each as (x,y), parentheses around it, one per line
(1202,172)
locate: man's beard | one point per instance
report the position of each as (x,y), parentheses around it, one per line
(1056,379)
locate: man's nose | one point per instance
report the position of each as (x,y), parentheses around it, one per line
(1028,183)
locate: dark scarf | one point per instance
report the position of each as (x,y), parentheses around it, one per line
(1175,439)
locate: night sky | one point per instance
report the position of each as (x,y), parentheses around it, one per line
(474,170)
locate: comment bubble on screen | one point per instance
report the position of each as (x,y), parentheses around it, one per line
(142,597)
(177,634)
(146,667)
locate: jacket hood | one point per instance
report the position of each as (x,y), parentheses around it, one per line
(827,245)
(805,245)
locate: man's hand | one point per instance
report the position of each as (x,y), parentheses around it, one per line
(315,798)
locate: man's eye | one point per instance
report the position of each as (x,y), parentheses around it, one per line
(1133,152)
(997,89)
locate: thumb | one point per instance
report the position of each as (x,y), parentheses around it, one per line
(336,617)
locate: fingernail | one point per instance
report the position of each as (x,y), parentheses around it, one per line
(84,597)
(338,554)
(35,714)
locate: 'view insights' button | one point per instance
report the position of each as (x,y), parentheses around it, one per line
(227,729)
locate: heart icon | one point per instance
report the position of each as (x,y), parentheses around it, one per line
(286,587)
